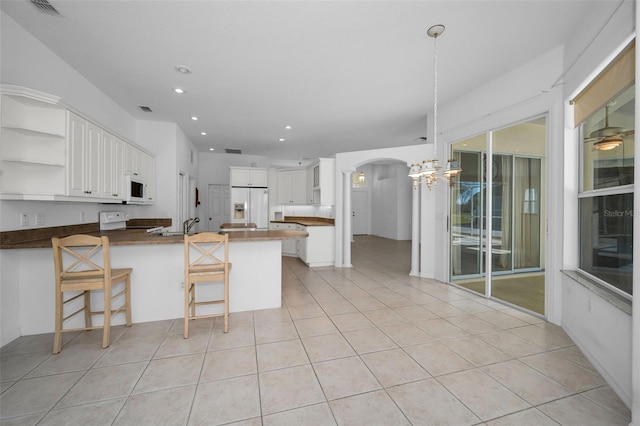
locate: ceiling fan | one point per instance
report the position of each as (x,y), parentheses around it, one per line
(608,137)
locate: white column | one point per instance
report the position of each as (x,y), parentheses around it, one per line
(346,225)
(415,231)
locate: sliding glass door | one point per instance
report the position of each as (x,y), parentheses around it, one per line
(496,207)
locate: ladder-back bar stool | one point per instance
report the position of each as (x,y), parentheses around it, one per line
(206,260)
(83,264)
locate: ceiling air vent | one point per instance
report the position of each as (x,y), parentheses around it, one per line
(45,7)
(145,108)
(233,151)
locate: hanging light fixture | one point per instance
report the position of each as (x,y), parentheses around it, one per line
(429,171)
(361,177)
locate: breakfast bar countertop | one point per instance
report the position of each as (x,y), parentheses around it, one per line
(129,237)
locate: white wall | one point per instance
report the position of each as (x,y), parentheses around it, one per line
(27,62)
(391,202)
(601,330)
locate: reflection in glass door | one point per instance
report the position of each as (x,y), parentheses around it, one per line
(467,222)
(513,183)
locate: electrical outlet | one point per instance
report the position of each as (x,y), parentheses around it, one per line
(40,219)
(181,286)
(24,219)
(83,216)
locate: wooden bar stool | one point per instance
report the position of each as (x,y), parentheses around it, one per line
(82,264)
(206,260)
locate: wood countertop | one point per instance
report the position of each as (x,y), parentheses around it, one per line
(133,237)
(306,221)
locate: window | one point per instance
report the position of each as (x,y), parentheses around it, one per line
(606,183)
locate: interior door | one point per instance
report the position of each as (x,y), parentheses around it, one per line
(360,212)
(218,207)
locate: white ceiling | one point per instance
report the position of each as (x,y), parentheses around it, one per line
(346,75)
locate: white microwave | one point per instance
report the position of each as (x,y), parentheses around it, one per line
(135,189)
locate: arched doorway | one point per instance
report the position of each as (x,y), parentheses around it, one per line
(393,162)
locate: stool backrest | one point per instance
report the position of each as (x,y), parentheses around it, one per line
(81,256)
(206,250)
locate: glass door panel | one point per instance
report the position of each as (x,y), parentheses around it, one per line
(517,240)
(468,205)
(501,206)
(517,274)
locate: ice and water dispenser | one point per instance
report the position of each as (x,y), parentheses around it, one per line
(239,210)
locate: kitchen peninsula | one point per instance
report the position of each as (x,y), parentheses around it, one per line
(158,274)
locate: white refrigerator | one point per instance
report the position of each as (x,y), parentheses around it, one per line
(250,205)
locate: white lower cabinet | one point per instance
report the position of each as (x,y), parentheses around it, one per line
(301,244)
(315,250)
(318,248)
(288,246)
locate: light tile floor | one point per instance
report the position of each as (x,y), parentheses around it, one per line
(367,345)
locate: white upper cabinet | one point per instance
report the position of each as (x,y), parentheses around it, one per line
(246,176)
(313,185)
(150,178)
(322,187)
(292,186)
(85,158)
(48,152)
(113,167)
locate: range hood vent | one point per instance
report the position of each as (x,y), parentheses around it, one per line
(233,151)
(45,7)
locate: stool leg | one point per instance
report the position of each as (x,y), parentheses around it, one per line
(187,293)
(127,298)
(226,303)
(87,309)
(107,316)
(57,337)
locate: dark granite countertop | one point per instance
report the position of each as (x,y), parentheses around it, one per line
(41,238)
(307,221)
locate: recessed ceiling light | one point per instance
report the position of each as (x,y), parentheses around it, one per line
(179,90)
(194,118)
(281,140)
(203,133)
(211,149)
(287,127)
(183,69)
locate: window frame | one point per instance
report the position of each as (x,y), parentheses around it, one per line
(592,194)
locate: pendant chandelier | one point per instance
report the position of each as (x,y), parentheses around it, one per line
(429,171)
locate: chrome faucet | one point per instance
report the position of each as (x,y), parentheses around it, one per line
(188,224)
